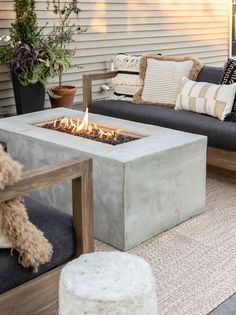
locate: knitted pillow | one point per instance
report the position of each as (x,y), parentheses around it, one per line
(127,81)
(162,76)
(16,231)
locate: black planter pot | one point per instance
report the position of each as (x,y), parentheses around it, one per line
(28,98)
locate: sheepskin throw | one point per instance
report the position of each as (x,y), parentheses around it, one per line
(16,231)
(206,98)
(161,77)
(127,81)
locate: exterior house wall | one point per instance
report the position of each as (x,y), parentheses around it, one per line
(171,27)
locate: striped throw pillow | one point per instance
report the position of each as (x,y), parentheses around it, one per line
(127,81)
(206,98)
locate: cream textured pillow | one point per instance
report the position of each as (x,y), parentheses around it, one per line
(206,98)
(163,79)
(162,76)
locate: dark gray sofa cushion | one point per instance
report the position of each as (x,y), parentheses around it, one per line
(58,229)
(220,134)
(210,74)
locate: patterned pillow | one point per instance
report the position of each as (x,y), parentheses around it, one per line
(206,98)
(231,117)
(127,81)
(229,75)
(162,76)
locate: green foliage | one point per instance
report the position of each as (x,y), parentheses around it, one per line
(51,62)
(33,56)
(6,53)
(64,32)
(25,27)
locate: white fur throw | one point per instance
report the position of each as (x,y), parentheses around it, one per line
(16,231)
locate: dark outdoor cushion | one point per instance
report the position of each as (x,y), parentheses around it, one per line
(220,134)
(210,74)
(58,229)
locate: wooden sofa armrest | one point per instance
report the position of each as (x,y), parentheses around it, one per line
(78,170)
(220,158)
(87,85)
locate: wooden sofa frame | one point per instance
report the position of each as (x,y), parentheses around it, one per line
(216,157)
(40,295)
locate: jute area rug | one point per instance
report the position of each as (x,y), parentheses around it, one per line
(195,263)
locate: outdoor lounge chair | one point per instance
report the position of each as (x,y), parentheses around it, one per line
(25,292)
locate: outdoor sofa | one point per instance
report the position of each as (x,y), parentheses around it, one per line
(221,135)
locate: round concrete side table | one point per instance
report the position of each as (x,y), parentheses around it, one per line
(111,283)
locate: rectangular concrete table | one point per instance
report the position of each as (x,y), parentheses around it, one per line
(141,188)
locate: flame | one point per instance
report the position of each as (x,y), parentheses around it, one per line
(78,127)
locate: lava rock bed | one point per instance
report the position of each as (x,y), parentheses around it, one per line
(120,139)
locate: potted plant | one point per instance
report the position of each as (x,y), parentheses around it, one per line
(63,34)
(33,58)
(18,51)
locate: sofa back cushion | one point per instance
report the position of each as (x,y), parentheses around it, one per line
(210,74)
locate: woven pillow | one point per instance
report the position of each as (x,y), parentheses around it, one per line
(206,98)
(162,76)
(127,82)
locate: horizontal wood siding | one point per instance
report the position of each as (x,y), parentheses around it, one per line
(172,27)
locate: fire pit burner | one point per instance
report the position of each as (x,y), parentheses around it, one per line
(119,139)
(89,130)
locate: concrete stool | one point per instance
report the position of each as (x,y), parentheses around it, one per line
(110,283)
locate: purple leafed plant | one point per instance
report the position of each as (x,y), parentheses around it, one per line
(23,60)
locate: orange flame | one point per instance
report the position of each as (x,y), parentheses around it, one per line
(85,127)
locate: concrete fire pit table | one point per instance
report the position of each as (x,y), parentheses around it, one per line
(141,188)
